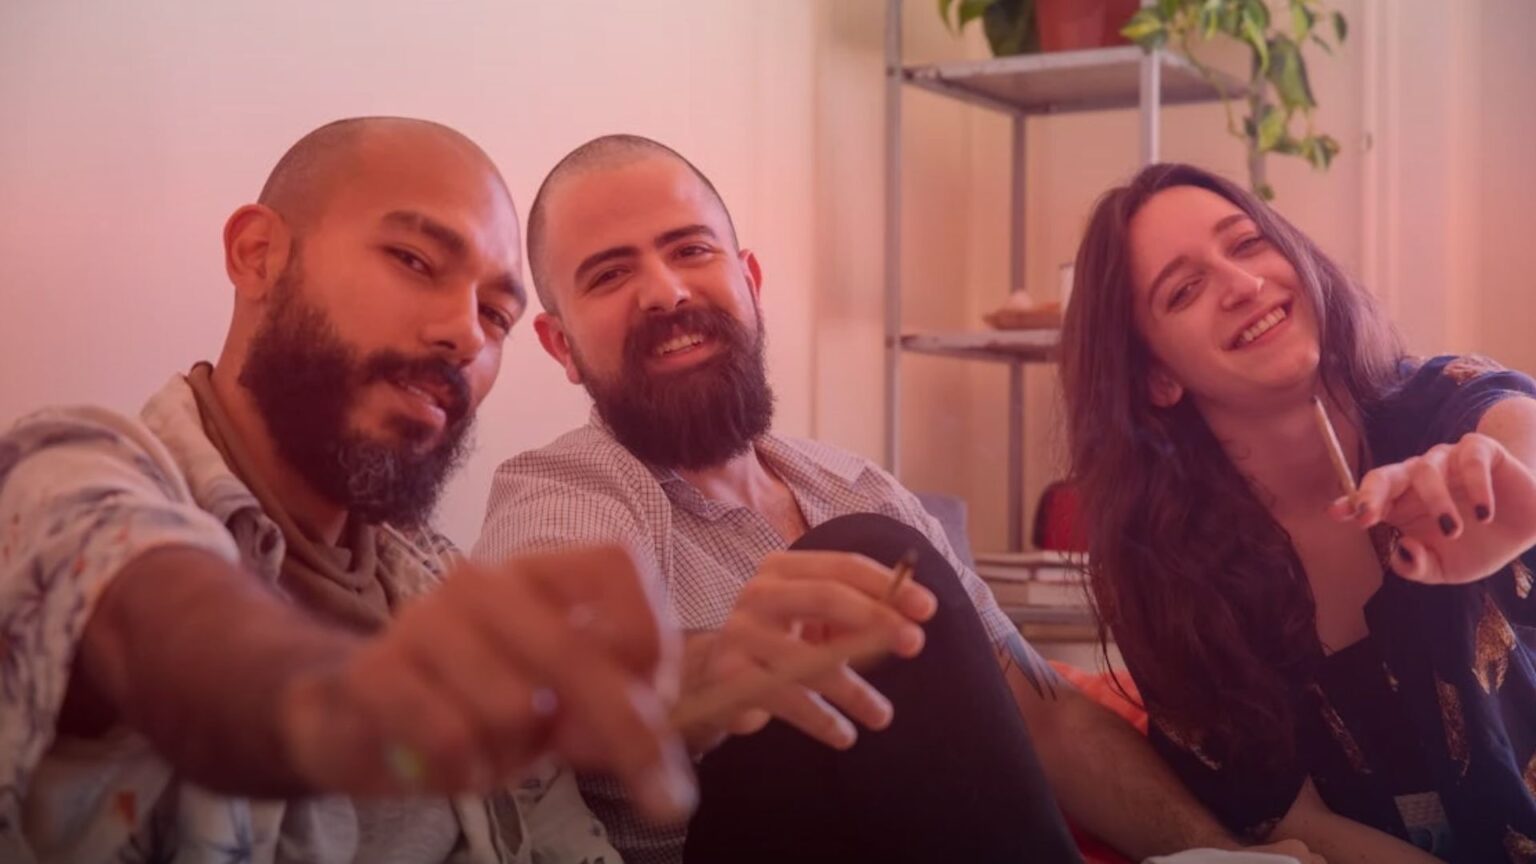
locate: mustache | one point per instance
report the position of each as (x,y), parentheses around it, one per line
(716,324)
(435,375)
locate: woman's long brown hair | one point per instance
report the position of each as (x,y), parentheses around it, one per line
(1197,583)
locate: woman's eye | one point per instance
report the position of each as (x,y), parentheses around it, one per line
(1248,244)
(1182,293)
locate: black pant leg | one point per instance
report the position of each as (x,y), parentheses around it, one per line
(954,778)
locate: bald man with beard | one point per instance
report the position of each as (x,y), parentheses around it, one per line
(227,630)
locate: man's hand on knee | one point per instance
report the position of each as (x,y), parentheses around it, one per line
(798,603)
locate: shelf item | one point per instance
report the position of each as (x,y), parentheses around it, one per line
(1009,346)
(1045,316)
(1040,565)
(1067,81)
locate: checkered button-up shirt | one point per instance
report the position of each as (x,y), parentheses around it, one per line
(586,488)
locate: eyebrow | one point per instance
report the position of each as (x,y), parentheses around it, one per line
(664,239)
(446,237)
(1221,225)
(511,286)
(453,242)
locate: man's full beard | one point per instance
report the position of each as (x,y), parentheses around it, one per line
(306,382)
(695,418)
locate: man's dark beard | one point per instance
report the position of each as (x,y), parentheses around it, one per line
(306,381)
(695,418)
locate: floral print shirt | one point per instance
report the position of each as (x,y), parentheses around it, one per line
(83,492)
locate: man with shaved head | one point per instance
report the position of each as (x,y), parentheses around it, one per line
(651,303)
(227,630)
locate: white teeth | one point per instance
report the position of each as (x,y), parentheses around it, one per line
(429,397)
(1262,326)
(678,344)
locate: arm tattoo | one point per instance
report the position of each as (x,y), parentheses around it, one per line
(1017,653)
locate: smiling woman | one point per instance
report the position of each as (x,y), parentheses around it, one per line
(1304,656)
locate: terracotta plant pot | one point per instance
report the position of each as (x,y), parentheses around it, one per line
(1073,25)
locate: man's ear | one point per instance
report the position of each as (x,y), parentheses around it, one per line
(557,344)
(1164,391)
(753,271)
(257,243)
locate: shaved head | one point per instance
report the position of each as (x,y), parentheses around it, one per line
(302,183)
(377,279)
(600,154)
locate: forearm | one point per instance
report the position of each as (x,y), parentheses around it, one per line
(1110,781)
(197,656)
(1342,840)
(1105,775)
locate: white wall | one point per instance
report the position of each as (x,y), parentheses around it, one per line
(1456,100)
(130,131)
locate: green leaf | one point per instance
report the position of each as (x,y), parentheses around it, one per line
(1145,29)
(1254,36)
(1231,19)
(944,14)
(1265,192)
(1010,27)
(1271,128)
(1301,21)
(1340,27)
(970,10)
(1208,23)
(1288,72)
(1327,149)
(1166,9)
(1258,11)
(1323,44)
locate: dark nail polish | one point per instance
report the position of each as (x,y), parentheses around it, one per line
(1482,513)
(1447,524)
(1403,553)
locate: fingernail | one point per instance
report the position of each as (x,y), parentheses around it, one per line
(910,640)
(1447,524)
(846,734)
(1482,513)
(1403,553)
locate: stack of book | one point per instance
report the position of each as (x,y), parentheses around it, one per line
(1042,591)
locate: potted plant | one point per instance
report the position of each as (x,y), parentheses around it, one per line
(1008,24)
(1026,26)
(1277,92)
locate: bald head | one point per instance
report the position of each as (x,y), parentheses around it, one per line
(303,182)
(607,153)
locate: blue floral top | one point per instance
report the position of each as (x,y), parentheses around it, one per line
(1426,728)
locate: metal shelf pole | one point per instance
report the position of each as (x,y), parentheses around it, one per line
(1017,277)
(893,83)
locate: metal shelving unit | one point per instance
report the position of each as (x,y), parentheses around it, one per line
(1021,86)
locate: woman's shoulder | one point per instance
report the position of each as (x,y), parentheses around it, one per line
(1439,399)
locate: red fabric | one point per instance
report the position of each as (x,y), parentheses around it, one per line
(1059,520)
(1100,688)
